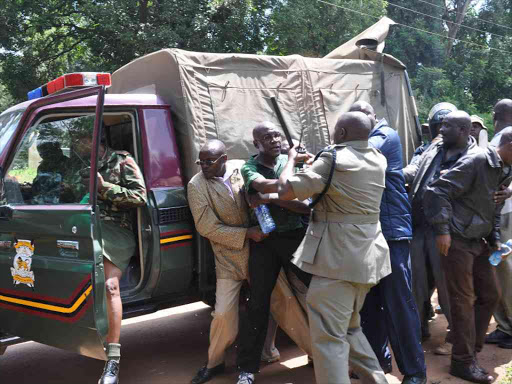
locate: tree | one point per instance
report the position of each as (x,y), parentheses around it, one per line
(42,40)
(454,17)
(312,28)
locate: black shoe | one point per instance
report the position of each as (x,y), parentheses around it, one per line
(470,372)
(387,368)
(431,312)
(110,373)
(415,379)
(206,374)
(507,344)
(497,337)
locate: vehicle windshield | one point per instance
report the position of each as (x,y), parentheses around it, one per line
(8,123)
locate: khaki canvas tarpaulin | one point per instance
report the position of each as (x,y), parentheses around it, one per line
(375,36)
(223,96)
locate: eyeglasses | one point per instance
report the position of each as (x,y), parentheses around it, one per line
(272,136)
(208,163)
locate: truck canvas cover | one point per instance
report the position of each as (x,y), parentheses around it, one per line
(223,96)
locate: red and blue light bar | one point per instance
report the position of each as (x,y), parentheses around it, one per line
(70,81)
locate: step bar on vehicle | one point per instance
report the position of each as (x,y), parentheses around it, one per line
(6,340)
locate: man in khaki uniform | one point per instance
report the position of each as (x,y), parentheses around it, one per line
(221,215)
(343,248)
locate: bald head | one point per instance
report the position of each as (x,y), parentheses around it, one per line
(268,140)
(505,146)
(455,129)
(366,108)
(214,147)
(262,129)
(212,159)
(352,126)
(461,118)
(502,114)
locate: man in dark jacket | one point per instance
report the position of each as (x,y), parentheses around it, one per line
(425,260)
(460,205)
(389,313)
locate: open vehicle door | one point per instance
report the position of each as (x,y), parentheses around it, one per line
(52,284)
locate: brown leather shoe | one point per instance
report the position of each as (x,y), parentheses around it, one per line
(470,373)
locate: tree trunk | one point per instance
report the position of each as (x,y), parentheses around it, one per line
(461,8)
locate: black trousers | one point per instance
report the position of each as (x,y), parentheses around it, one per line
(389,315)
(265,261)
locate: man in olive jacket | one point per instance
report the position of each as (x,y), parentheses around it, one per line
(460,205)
(344,248)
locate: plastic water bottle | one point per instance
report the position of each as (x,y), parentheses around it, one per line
(266,221)
(495,258)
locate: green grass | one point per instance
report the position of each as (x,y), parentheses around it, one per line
(508,376)
(25,175)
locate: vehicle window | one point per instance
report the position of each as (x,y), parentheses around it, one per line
(8,123)
(49,163)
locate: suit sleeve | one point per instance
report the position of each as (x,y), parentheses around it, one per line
(410,171)
(439,196)
(312,182)
(131,192)
(495,235)
(208,223)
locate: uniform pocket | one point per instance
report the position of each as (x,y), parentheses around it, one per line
(309,246)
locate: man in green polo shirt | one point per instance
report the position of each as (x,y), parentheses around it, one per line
(261,175)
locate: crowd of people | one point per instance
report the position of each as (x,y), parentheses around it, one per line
(363,243)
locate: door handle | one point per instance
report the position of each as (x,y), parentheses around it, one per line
(6,212)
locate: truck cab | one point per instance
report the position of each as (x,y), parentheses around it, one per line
(52,284)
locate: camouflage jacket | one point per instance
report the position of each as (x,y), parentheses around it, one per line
(123,187)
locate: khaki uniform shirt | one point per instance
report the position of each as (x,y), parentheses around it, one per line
(223,220)
(344,240)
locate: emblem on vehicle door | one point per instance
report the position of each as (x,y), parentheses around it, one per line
(21,273)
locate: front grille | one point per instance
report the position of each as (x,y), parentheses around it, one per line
(173,215)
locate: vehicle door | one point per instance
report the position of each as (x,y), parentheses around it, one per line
(52,284)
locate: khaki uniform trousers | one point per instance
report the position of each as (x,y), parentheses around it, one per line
(286,311)
(336,334)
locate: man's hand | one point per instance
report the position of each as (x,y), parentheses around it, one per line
(443,243)
(101,182)
(257,199)
(255,234)
(498,246)
(299,157)
(503,194)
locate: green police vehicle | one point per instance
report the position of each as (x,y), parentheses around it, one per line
(161,108)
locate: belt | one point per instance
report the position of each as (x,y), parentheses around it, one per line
(337,217)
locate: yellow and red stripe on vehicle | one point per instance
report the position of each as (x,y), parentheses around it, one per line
(177,238)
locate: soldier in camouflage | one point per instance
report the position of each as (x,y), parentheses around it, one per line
(121,188)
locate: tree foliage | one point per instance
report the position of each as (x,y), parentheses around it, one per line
(41,39)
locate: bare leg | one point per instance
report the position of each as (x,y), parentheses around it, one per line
(114,303)
(270,353)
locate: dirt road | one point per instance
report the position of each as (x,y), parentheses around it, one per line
(168,347)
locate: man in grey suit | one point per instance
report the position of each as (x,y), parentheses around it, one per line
(343,248)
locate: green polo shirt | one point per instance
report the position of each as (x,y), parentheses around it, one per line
(285,219)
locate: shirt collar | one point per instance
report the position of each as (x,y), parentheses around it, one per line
(493,158)
(381,123)
(356,143)
(230,171)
